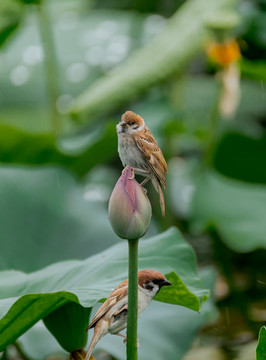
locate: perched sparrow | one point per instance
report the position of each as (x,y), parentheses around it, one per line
(138,149)
(112,315)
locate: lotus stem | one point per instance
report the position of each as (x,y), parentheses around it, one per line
(132,316)
(50,63)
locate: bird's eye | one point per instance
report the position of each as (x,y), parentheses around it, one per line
(132,123)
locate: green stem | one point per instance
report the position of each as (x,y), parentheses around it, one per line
(132,316)
(50,63)
(213,127)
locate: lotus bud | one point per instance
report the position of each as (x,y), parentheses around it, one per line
(129,207)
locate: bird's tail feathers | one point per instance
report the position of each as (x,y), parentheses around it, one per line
(99,331)
(158,187)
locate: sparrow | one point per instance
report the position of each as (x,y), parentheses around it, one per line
(112,315)
(138,149)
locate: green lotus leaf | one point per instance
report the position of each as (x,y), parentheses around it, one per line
(27,298)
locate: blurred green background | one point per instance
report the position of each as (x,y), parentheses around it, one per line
(68,70)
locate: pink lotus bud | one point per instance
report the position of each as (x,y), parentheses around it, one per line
(129,207)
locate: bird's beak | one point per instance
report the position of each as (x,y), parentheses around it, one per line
(123,124)
(165,283)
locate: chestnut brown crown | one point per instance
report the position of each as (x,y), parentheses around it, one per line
(156,277)
(130,118)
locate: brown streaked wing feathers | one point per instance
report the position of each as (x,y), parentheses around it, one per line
(151,151)
(113,298)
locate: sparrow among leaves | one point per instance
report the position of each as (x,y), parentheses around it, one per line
(112,315)
(138,149)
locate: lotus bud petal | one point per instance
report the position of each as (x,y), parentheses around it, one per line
(129,207)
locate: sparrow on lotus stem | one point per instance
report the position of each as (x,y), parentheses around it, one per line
(138,149)
(112,315)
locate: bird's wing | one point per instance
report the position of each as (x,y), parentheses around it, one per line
(125,307)
(152,153)
(115,296)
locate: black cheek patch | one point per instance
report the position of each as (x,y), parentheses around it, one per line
(149,287)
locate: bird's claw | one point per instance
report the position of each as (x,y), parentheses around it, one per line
(132,172)
(125,341)
(144,190)
(125,169)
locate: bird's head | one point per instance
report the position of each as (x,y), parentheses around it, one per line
(130,123)
(152,281)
